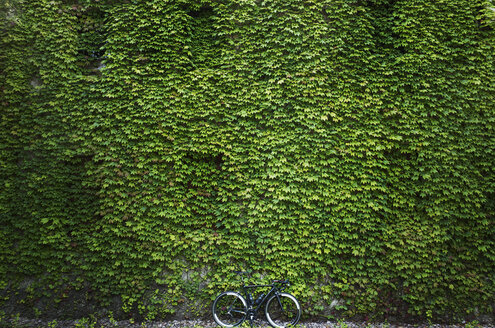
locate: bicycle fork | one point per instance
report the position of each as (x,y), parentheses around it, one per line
(280,303)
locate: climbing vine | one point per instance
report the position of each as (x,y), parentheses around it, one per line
(148,148)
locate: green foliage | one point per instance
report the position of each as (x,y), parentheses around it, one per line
(472,324)
(150,147)
(54,324)
(89,322)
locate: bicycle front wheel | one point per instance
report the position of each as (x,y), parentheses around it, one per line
(229,309)
(282,310)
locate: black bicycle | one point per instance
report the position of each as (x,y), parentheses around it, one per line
(230,308)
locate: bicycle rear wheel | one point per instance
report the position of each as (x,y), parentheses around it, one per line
(282,310)
(229,309)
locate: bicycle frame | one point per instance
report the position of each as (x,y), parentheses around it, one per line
(274,290)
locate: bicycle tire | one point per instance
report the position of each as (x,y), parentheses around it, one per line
(282,310)
(229,309)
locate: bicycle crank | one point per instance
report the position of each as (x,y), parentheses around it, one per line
(251,315)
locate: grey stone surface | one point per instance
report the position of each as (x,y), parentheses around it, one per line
(107,323)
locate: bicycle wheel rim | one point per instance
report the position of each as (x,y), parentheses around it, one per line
(229,309)
(285,316)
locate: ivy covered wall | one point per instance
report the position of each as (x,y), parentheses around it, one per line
(148,148)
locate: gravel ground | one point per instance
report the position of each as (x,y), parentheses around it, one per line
(106,323)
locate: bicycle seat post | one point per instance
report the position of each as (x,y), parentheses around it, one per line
(242,279)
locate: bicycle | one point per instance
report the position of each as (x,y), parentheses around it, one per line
(230,308)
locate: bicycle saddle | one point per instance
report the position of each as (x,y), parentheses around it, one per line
(280,281)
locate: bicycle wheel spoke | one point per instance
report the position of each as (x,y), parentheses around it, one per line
(229,310)
(283,311)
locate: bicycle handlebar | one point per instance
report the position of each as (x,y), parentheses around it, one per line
(242,272)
